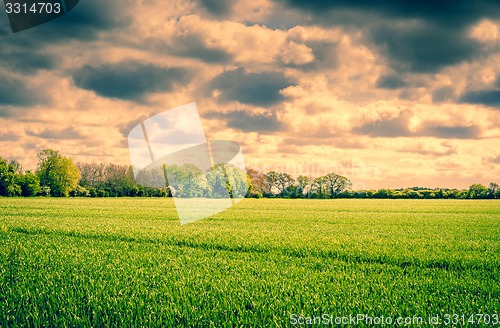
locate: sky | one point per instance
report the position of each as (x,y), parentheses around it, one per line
(389,93)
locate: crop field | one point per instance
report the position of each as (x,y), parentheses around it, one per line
(128,262)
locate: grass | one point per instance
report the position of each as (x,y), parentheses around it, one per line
(128,262)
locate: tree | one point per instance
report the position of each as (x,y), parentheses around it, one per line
(320,187)
(92,175)
(30,184)
(186,181)
(477,190)
(237,179)
(285,181)
(493,190)
(304,186)
(277,183)
(336,184)
(226,180)
(9,178)
(57,172)
(79,191)
(257,186)
(218,184)
(118,180)
(174,175)
(271,181)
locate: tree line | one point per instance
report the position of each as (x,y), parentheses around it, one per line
(59,176)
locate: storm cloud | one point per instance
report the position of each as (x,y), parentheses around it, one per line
(26,62)
(129,80)
(457,13)
(487,97)
(218,8)
(450,132)
(390,82)
(84,22)
(15,92)
(425,48)
(387,127)
(193,46)
(249,122)
(259,89)
(418,36)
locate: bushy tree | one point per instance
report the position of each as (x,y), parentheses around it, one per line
(186,181)
(218,183)
(271,182)
(30,184)
(79,191)
(336,184)
(320,185)
(477,191)
(237,179)
(9,178)
(256,184)
(493,190)
(278,183)
(303,186)
(57,172)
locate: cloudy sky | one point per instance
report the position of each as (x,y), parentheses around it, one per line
(389,93)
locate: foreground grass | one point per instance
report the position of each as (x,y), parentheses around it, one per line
(128,262)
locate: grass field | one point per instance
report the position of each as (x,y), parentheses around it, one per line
(128,262)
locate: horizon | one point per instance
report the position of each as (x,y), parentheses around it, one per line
(401,95)
(296,175)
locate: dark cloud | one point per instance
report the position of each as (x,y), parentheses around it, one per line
(28,51)
(259,89)
(248,122)
(387,127)
(448,12)
(26,62)
(129,80)
(64,134)
(425,47)
(218,8)
(399,127)
(87,21)
(450,132)
(419,36)
(194,46)
(15,92)
(443,94)
(390,82)
(486,97)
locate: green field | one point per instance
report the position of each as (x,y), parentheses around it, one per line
(128,262)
